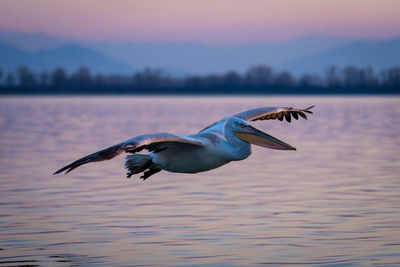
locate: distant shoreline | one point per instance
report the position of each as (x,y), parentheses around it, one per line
(258,80)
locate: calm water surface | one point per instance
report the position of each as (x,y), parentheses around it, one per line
(334,202)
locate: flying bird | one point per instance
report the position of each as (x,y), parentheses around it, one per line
(224,141)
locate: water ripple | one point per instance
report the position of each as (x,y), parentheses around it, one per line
(335,202)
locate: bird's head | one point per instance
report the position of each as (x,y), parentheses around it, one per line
(247,133)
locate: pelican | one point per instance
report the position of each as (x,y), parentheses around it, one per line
(224,141)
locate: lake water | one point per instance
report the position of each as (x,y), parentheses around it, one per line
(334,202)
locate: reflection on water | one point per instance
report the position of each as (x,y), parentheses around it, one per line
(334,202)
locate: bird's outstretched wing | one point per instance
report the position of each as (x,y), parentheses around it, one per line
(151,142)
(267,113)
(272,113)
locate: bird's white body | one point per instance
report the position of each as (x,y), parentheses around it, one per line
(217,149)
(227,140)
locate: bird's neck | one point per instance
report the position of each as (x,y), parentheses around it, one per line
(241,148)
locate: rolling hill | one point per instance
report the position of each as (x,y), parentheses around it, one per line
(70,57)
(310,54)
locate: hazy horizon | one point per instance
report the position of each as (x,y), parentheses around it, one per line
(73,40)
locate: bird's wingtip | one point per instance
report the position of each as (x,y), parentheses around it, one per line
(57,172)
(61,170)
(310,107)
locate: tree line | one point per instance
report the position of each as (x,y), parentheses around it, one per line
(256,80)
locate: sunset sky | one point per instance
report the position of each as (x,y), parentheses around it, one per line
(206,21)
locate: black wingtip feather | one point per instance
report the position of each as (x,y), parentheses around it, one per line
(287,116)
(67,168)
(294,114)
(62,169)
(76,164)
(304,116)
(308,109)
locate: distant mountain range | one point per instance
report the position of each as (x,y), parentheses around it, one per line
(206,59)
(376,54)
(305,55)
(69,57)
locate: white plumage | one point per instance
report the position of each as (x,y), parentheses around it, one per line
(227,140)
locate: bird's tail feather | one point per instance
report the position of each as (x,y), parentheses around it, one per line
(137,163)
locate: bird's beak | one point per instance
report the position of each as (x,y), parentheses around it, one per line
(254,136)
